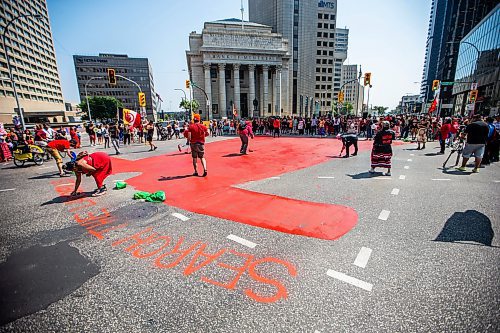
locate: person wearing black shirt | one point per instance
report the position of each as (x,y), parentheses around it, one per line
(114,135)
(477,135)
(349,140)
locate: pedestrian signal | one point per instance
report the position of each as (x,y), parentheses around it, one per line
(111,76)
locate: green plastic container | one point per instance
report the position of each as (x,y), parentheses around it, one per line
(120,185)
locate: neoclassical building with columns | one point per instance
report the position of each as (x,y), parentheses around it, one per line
(239,67)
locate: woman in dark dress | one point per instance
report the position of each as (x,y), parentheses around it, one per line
(382,150)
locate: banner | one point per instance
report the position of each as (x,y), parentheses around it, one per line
(131,118)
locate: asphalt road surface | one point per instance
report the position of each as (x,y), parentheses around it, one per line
(289,238)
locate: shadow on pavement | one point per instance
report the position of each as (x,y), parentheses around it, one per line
(67,198)
(232,155)
(467,226)
(432,154)
(365,175)
(163,178)
(50,176)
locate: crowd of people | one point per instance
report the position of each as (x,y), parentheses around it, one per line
(479,138)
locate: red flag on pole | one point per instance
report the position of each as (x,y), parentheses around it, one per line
(433,106)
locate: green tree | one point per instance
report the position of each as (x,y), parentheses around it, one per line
(186,105)
(380,109)
(101,107)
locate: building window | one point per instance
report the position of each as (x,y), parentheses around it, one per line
(332,26)
(320,16)
(325,34)
(332,35)
(318,34)
(320,25)
(330,44)
(326,16)
(318,52)
(318,43)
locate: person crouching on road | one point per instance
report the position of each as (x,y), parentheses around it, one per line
(245,131)
(348,140)
(196,136)
(382,150)
(97,165)
(54,147)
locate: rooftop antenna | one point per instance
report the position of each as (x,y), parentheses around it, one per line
(242,10)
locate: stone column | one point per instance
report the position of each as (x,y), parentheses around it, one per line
(236,78)
(274,112)
(265,72)
(208,90)
(261,95)
(222,90)
(278,91)
(251,79)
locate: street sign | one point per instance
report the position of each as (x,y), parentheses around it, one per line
(447,83)
(142,99)
(473,86)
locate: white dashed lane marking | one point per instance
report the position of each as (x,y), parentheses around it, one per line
(402,177)
(242,241)
(395,191)
(407,167)
(363,257)
(384,215)
(8,189)
(325,177)
(412,154)
(180,216)
(349,279)
(47,167)
(438,179)
(409,160)
(274,177)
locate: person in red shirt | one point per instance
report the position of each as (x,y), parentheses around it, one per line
(74,136)
(443,134)
(276,126)
(245,131)
(196,136)
(455,126)
(97,165)
(56,146)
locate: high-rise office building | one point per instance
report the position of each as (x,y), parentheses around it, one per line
(478,63)
(450,21)
(353,90)
(92,71)
(29,44)
(313,60)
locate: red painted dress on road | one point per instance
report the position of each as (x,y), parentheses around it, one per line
(102,163)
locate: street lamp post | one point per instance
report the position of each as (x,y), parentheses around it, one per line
(87,96)
(21,115)
(185,96)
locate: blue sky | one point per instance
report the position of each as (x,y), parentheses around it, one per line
(387,37)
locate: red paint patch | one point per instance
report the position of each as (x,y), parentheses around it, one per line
(216,196)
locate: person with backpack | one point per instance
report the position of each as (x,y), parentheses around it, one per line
(196,135)
(245,131)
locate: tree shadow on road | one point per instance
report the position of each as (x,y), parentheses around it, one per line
(365,175)
(468,226)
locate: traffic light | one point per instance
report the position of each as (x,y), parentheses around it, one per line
(368,77)
(473,96)
(341,97)
(188,84)
(111,76)
(435,85)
